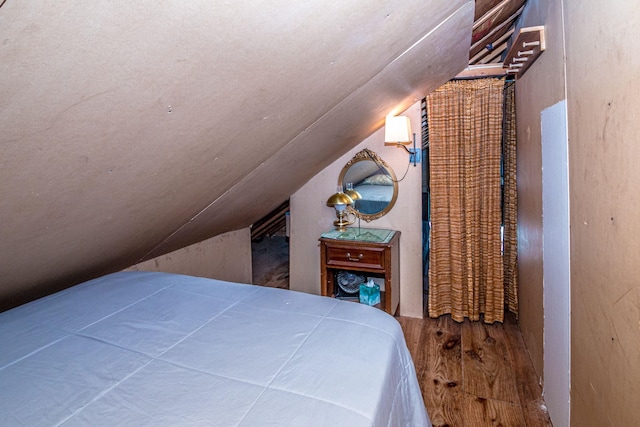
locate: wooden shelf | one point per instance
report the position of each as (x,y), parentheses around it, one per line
(526,48)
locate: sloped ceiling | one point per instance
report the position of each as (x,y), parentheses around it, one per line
(130,129)
(494,23)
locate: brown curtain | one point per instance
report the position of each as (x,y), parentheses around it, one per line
(510,202)
(465,145)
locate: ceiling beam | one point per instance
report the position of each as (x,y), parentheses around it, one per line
(484,52)
(479,71)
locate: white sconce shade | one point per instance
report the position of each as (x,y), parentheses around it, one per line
(397,130)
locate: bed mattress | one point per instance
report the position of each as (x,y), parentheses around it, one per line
(156,349)
(374,198)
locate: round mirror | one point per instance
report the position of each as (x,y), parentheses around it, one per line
(375,183)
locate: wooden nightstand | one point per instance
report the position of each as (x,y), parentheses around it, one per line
(373,252)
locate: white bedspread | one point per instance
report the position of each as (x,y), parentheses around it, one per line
(155,349)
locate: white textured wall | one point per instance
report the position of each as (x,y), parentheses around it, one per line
(310,217)
(224,257)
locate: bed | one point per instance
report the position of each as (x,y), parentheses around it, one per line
(156,349)
(375,192)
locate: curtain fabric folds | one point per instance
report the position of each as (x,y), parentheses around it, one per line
(510,202)
(465,146)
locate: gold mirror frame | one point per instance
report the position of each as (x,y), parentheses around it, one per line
(368,155)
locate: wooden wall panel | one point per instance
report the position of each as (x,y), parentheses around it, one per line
(603,151)
(542,87)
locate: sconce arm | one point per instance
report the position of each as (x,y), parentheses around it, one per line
(405,148)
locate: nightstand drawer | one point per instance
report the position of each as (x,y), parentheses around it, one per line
(354,257)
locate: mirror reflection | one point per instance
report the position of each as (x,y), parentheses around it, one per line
(375,184)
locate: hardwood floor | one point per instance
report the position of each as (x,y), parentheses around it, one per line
(474,374)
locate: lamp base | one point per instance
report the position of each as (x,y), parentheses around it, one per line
(341,224)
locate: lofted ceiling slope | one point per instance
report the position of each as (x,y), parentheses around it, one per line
(494,23)
(131,129)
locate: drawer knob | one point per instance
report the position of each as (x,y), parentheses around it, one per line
(350,258)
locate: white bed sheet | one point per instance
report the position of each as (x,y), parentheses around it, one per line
(374,198)
(156,349)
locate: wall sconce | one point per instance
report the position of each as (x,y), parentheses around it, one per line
(397,131)
(339,201)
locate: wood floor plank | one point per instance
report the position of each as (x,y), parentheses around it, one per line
(491,412)
(529,388)
(451,411)
(425,354)
(443,369)
(487,362)
(499,366)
